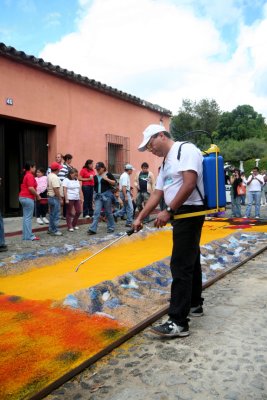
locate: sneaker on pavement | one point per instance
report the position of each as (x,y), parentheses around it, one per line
(91,232)
(76,228)
(71,230)
(39,221)
(45,220)
(3,247)
(128,225)
(57,233)
(87,216)
(171,329)
(196,311)
(35,238)
(257,217)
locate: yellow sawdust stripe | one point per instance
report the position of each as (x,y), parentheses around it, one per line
(131,253)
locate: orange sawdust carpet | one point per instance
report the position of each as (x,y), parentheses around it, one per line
(40,342)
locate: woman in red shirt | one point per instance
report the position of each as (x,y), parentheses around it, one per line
(86,175)
(27,195)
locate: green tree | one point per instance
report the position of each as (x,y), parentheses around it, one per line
(192,116)
(241,123)
(207,115)
(184,121)
(233,150)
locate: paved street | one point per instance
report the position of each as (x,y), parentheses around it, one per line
(225,357)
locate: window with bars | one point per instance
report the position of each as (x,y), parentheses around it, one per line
(117,149)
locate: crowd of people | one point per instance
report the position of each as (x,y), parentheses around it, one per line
(64,192)
(247,192)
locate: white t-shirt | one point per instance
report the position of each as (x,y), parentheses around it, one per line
(73,188)
(125,181)
(255,185)
(170,177)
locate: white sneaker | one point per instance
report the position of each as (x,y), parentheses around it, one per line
(76,228)
(39,221)
(71,230)
(87,216)
(57,233)
(45,220)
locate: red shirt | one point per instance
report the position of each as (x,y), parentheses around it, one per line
(86,173)
(28,181)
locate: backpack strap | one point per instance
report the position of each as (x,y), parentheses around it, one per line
(178,155)
(180,149)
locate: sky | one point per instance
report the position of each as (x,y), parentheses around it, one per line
(162,51)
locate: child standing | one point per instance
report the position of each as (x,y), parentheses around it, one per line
(73,198)
(41,205)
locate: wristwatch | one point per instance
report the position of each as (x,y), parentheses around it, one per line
(170,210)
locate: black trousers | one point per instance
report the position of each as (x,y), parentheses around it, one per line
(88,193)
(185,265)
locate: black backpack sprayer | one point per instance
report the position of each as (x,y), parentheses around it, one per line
(214,199)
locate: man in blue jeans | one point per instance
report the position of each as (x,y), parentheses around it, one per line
(254,185)
(103,195)
(3,246)
(180,181)
(125,194)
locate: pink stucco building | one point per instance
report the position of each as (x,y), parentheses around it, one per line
(45,109)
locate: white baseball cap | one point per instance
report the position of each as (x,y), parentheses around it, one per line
(129,166)
(150,131)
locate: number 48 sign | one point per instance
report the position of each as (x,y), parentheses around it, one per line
(9,101)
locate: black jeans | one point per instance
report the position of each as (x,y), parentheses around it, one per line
(185,265)
(88,192)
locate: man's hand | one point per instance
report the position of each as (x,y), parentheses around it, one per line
(137,225)
(162,218)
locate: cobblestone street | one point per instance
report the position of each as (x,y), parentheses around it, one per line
(225,356)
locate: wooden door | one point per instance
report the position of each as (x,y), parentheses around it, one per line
(35,145)
(19,142)
(2,166)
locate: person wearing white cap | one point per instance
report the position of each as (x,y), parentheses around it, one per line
(180,181)
(125,194)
